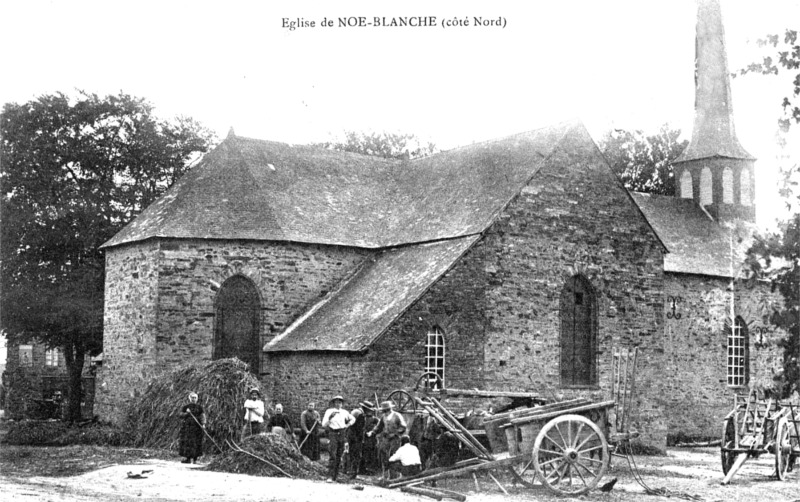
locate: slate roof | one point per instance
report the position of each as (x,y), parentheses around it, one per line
(365,305)
(263,190)
(696,244)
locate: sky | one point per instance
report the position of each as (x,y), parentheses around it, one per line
(610,63)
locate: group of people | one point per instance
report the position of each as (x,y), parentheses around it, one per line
(369,442)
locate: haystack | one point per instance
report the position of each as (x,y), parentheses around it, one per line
(276,450)
(222,387)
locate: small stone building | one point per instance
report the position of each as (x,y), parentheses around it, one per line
(512,265)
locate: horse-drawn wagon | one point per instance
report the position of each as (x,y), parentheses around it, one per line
(565,446)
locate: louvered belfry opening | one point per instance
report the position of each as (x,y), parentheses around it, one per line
(236,332)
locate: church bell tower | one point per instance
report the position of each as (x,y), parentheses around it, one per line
(715,170)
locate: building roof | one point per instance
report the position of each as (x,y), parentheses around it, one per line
(365,305)
(263,190)
(696,244)
(713,133)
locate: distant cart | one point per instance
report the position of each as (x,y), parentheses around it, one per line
(757,426)
(563,446)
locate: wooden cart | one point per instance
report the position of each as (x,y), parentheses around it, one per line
(756,426)
(564,446)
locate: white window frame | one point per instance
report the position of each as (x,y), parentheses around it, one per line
(736,366)
(435,353)
(52,357)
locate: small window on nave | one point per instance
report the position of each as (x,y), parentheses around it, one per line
(434,359)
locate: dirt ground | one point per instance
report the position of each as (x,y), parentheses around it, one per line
(86,473)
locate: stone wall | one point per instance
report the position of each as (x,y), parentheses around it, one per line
(160,301)
(129,326)
(698,308)
(499,305)
(566,222)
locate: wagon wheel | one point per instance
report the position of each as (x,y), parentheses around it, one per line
(424,381)
(403,402)
(783,448)
(570,455)
(728,442)
(523,472)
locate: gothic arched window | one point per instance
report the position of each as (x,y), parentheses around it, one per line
(236,333)
(578,332)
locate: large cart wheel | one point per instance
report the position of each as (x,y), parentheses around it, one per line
(403,402)
(523,472)
(570,455)
(783,448)
(728,443)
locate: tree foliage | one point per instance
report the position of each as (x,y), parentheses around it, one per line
(644,162)
(783,57)
(74,172)
(382,144)
(776,256)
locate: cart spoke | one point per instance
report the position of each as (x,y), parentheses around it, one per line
(598,447)
(558,429)
(578,435)
(527,466)
(551,452)
(548,462)
(589,459)
(555,443)
(593,474)
(557,471)
(588,438)
(578,472)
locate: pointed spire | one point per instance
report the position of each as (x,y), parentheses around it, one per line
(713,134)
(231,134)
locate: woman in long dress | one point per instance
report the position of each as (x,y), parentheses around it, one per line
(192,430)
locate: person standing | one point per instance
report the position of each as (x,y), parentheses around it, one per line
(390,428)
(336,420)
(193,423)
(282,421)
(369,458)
(254,413)
(309,430)
(355,442)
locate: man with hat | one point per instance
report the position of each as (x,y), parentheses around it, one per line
(355,439)
(254,413)
(369,457)
(391,427)
(336,420)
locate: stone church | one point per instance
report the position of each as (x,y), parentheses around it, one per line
(512,265)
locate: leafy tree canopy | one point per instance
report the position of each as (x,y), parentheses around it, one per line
(783,57)
(382,144)
(776,256)
(74,172)
(644,162)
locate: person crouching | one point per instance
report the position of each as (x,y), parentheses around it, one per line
(405,460)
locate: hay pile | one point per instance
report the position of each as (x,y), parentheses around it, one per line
(274,448)
(222,387)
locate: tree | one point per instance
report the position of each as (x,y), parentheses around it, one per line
(786,58)
(383,144)
(74,172)
(775,256)
(644,162)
